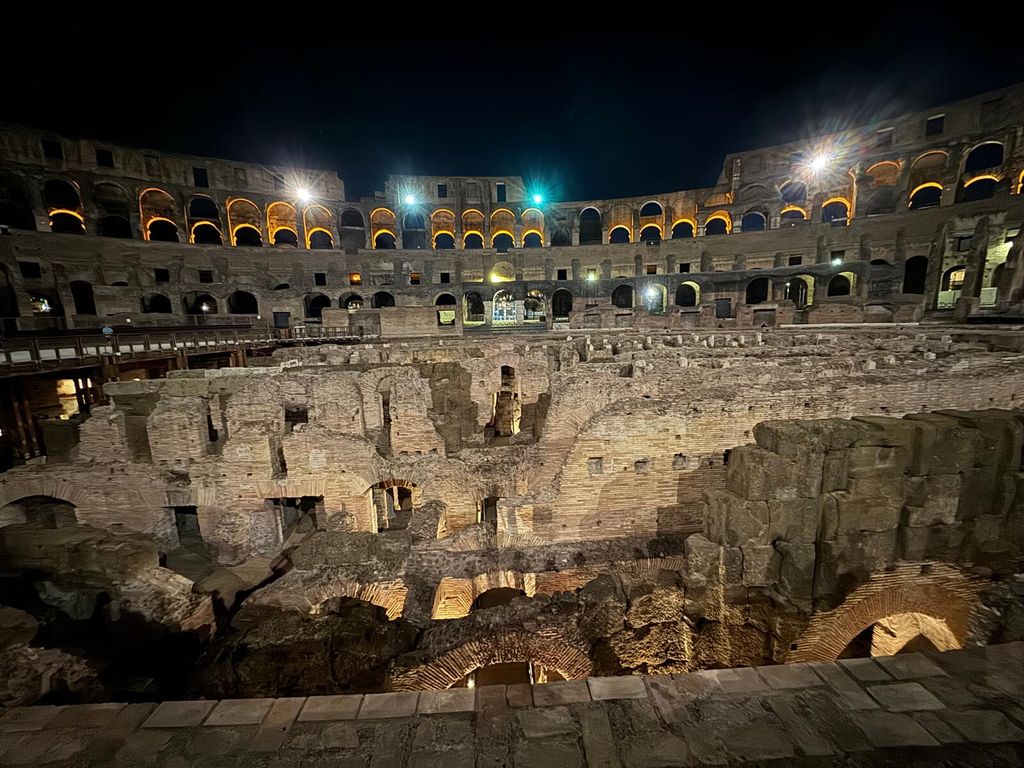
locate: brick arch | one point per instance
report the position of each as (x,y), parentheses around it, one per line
(16,490)
(286,594)
(454,597)
(894,632)
(941,593)
(499,647)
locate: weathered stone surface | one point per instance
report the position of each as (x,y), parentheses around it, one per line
(904,697)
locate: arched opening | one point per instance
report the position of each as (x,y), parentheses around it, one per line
(839,285)
(444,242)
(351,229)
(285,237)
(687,295)
(682,229)
(503,308)
(983,157)
(66,223)
(473,308)
(793,192)
(248,236)
(925,196)
(654,299)
(316,303)
(206,233)
(799,290)
(561,305)
(792,216)
(651,208)
(200,207)
(495,598)
(42,511)
(162,231)
(384,241)
(473,241)
(980,188)
(758,290)
(352,302)
(502,272)
(650,234)
(953,278)
(351,219)
(533,221)
(199,303)
(115,226)
(392,502)
(320,240)
(61,194)
(590,227)
(997,275)
(414,231)
(382,299)
(502,242)
(718,225)
(835,212)
(154,303)
(533,307)
(619,235)
(532,240)
(242,303)
(754,222)
(915,270)
(622,296)
(446,306)
(85,301)
(506,410)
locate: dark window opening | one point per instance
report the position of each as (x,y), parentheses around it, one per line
(104,158)
(652,269)
(446,277)
(489,510)
(205,275)
(295,415)
(161,275)
(186,522)
(884,138)
(563,274)
(684,267)
(200,177)
(414,278)
(935,125)
(796,261)
(30,270)
(500,192)
(52,149)
(320,278)
(442,191)
(393,505)
(279,185)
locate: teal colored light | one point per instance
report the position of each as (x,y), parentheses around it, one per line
(538,199)
(410,199)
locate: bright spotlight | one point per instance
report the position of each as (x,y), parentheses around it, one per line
(303,195)
(820,162)
(410,199)
(651,293)
(205,307)
(538,199)
(836,262)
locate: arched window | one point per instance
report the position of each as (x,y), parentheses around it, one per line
(502,242)
(66,223)
(473,241)
(248,236)
(199,303)
(61,194)
(503,308)
(473,305)
(793,192)
(444,242)
(753,222)
(85,302)
(590,227)
(351,302)
(792,216)
(205,233)
(351,230)
(156,303)
(926,196)
(282,224)
(383,222)
(757,290)
(393,504)
(835,212)
(650,234)
(286,237)
(839,286)
(115,226)
(320,239)
(799,290)
(561,305)
(652,209)
(442,227)
(162,230)
(619,235)
(983,157)
(682,229)
(242,303)
(532,240)
(200,207)
(316,303)
(654,299)
(687,295)
(953,278)
(446,306)
(915,270)
(533,307)
(414,232)
(622,296)
(382,299)
(384,241)
(979,188)
(717,224)
(352,219)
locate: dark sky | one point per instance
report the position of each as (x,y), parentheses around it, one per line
(586,114)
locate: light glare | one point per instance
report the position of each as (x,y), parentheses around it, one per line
(303,195)
(410,199)
(538,199)
(820,162)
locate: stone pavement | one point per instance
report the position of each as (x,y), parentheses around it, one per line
(950,709)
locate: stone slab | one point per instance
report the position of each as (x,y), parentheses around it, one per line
(598,740)
(984,726)
(904,697)
(451,758)
(28,719)
(451,700)
(865,670)
(378,706)
(943,732)
(786,676)
(759,742)
(276,727)
(330,708)
(546,721)
(850,694)
(736,680)
(564,692)
(889,729)
(655,749)
(548,753)
(87,715)
(239,712)
(517,695)
(179,714)
(806,737)
(908,666)
(625,687)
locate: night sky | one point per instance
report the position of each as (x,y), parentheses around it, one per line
(583,114)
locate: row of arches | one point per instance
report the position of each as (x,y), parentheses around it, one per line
(503,231)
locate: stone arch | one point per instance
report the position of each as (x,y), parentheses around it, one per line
(982,156)
(454,597)
(754,221)
(688,294)
(497,647)
(942,593)
(286,594)
(21,490)
(590,226)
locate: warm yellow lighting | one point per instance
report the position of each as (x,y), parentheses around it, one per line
(234,232)
(919,187)
(314,230)
(76,214)
(192,232)
(930,153)
(629,234)
(724,216)
(469,232)
(496,233)
(145,230)
(496,211)
(980,178)
(354,278)
(537,232)
(893,163)
(433,239)
(377,232)
(1020,184)
(792,207)
(686,220)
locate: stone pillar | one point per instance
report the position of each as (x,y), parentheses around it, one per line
(974,277)
(820,251)
(576,269)
(864,248)
(936,256)
(707,264)
(638,265)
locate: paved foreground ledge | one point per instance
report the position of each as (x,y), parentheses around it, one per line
(956,708)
